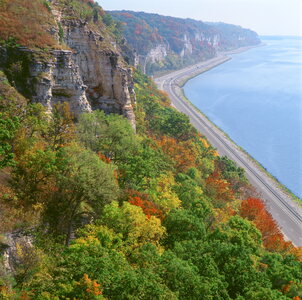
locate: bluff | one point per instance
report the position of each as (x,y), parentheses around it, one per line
(61,51)
(165,43)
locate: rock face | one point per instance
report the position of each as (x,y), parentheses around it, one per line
(108,80)
(87,69)
(156,55)
(59,80)
(14,248)
(164,43)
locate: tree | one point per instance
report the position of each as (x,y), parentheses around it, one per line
(219,189)
(284,272)
(233,174)
(112,135)
(236,250)
(162,193)
(99,253)
(146,163)
(84,185)
(181,276)
(182,225)
(8,128)
(107,19)
(263,293)
(12,107)
(66,184)
(184,154)
(130,221)
(149,208)
(254,210)
(197,252)
(61,128)
(86,289)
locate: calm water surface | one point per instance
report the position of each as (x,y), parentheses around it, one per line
(257,99)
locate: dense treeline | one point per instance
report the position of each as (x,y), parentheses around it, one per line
(118,215)
(186,41)
(97,211)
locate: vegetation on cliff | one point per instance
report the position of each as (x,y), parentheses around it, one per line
(32,23)
(166,217)
(185,41)
(113,214)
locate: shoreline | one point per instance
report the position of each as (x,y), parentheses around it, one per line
(225,56)
(200,69)
(205,65)
(173,83)
(181,83)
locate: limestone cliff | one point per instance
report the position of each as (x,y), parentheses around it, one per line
(83,66)
(164,43)
(16,249)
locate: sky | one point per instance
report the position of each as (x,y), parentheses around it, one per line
(266,17)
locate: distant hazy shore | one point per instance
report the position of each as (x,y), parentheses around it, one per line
(221,58)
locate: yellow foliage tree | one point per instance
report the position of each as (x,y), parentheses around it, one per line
(130,221)
(162,192)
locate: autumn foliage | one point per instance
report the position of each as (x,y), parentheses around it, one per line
(219,188)
(183,153)
(26,22)
(254,210)
(142,200)
(114,214)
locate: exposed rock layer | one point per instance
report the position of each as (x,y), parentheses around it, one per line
(88,72)
(164,43)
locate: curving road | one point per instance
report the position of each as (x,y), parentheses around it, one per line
(282,207)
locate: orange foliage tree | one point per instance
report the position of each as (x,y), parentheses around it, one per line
(219,189)
(142,200)
(183,153)
(254,210)
(87,289)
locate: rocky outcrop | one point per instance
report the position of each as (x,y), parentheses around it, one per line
(165,43)
(87,69)
(59,80)
(106,76)
(156,55)
(15,248)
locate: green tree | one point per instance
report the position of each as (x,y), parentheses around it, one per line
(112,135)
(282,270)
(182,225)
(130,221)
(197,252)
(98,253)
(181,277)
(68,184)
(236,251)
(260,293)
(12,108)
(84,185)
(147,163)
(8,128)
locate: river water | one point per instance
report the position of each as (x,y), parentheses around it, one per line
(256,98)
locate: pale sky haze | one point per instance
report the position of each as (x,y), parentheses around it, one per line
(266,17)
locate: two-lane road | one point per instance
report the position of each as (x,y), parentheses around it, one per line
(286,212)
